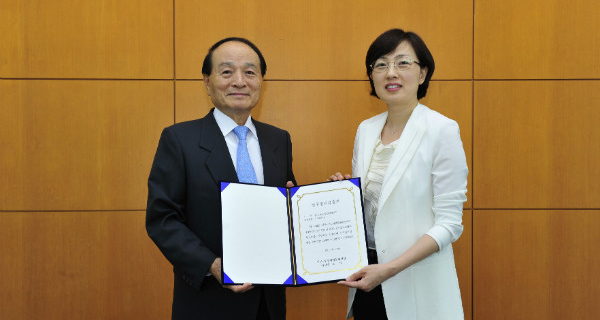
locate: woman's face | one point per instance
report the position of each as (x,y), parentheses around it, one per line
(399,87)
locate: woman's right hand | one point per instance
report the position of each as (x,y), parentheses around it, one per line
(338,176)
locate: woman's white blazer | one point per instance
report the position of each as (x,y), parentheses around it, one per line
(423,192)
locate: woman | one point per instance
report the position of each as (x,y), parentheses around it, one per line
(414,174)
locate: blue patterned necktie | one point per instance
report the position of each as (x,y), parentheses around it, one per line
(245,170)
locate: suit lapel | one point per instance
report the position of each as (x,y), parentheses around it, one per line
(405,150)
(218,161)
(268,149)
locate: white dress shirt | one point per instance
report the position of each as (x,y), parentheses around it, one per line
(226,124)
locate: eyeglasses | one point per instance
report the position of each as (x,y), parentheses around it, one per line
(402,64)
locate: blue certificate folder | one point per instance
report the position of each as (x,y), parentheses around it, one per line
(295,236)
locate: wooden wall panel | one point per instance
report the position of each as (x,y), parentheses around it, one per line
(539,39)
(536,144)
(192,101)
(81,265)
(71,145)
(322,117)
(463,257)
(322,39)
(323,302)
(79,145)
(86,39)
(536,264)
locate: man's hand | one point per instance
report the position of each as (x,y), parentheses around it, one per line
(215,270)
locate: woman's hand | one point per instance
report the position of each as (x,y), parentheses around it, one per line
(373,275)
(338,176)
(368,278)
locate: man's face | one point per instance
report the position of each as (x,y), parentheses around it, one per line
(235,80)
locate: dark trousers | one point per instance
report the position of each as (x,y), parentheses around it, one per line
(369,305)
(214,302)
(263,311)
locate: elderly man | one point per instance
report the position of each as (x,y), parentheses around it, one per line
(183,214)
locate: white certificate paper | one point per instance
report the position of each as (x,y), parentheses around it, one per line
(292,236)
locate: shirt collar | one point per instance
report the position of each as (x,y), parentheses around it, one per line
(226,124)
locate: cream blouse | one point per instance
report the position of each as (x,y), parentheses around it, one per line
(374,179)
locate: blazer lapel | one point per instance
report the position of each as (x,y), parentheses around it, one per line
(405,150)
(218,161)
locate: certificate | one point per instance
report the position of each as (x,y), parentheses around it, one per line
(292,236)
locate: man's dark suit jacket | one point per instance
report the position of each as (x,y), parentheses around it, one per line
(183,215)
